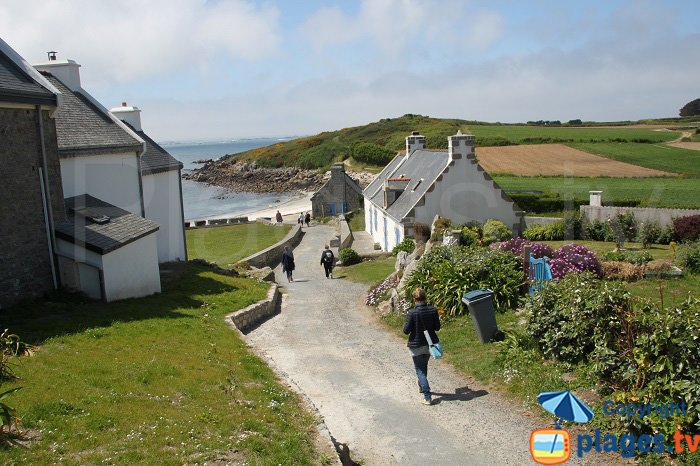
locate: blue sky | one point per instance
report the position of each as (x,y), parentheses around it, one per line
(206,70)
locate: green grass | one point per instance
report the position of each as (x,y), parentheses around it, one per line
(651,192)
(696,138)
(156,380)
(227,245)
(492,134)
(658,156)
(658,251)
(672,290)
(357,220)
(370,271)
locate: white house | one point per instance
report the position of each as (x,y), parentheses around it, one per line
(421,183)
(106,247)
(162,189)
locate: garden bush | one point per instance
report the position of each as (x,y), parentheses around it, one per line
(689,256)
(552,232)
(632,257)
(441,224)
(667,235)
(446,273)
(649,233)
(597,231)
(623,227)
(421,231)
(687,228)
(495,230)
(517,244)
(348,256)
(470,236)
(407,245)
(574,258)
(568,316)
(573,225)
(374,154)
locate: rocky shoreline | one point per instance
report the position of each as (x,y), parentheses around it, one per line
(248,177)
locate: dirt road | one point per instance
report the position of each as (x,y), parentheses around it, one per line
(361,380)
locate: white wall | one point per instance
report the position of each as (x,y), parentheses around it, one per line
(132,270)
(161,196)
(388,243)
(113,178)
(465,195)
(78,275)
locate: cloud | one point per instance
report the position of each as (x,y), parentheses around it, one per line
(131,39)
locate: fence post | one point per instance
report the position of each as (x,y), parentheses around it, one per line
(526,268)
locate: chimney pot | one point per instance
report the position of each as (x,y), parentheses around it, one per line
(52,55)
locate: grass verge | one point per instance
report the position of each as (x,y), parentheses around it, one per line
(369,272)
(227,245)
(156,380)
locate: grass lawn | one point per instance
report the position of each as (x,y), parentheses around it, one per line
(673,290)
(659,156)
(370,272)
(658,251)
(156,380)
(227,245)
(669,192)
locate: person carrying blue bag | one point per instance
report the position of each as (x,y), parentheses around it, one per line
(422,321)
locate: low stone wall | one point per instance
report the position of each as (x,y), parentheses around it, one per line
(531,221)
(216,222)
(663,217)
(345,234)
(250,317)
(272,256)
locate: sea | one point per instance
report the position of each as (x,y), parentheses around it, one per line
(203,201)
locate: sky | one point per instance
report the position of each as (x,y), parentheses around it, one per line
(224,69)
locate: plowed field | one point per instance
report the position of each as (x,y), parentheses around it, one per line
(556,160)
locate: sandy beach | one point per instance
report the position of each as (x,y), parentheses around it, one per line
(293,206)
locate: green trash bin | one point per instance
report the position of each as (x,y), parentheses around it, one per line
(482,313)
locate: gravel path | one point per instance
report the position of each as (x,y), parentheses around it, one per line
(361,379)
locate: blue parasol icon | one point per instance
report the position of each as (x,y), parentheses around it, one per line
(565,405)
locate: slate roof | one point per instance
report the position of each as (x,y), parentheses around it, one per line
(155,159)
(85,228)
(423,167)
(83,128)
(20,83)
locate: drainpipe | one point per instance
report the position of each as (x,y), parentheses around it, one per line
(46,198)
(138,167)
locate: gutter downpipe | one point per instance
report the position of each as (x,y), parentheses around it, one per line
(138,167)
(46,195)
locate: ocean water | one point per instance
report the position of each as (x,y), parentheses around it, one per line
(203,201)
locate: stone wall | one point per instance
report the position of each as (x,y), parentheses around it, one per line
(250,317)
(531,221)
(663,217)
(272,256)
(345,234)
(25,263)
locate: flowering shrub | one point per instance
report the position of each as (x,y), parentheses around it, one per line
(377,293)
(517,244)
(574,258)
(623,227)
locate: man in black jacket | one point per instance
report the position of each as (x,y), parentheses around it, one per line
(418,319)
(327,259)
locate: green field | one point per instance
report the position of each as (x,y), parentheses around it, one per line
(227,245)
(488,135)
(156,380)
(652,192)
(658,156)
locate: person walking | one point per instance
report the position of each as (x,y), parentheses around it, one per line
(307,219)
(300,220)
(327,260)
(288,263)
(419,318)
(278,217)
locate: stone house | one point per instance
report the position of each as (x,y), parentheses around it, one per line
(31,197)
(338,195)
(162,189)
(100,160)
(421,183)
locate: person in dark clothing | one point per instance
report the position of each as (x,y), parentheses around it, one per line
(288,263)
(327,260)
(278,217)
(307,219)
(419,318)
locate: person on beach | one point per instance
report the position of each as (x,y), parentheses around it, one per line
(307,219)
(327,260)
(300,220)
(288,263)
(419,318)
(278,217)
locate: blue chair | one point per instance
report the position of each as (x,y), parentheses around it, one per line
(540,272)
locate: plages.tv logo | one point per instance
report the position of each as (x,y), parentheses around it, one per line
(553,445)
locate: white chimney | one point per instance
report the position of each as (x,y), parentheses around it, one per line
(128,114)
(414,141)
(460,145)
(595,198)
(66,71)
